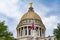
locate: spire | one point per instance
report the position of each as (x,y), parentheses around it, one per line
(30,8)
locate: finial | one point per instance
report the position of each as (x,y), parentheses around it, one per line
(31,8)
(30,4)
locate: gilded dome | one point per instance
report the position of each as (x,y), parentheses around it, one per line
(31,15)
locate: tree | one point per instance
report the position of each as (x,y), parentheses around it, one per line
(4,33)
(57,32)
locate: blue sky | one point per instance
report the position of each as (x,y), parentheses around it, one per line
(12,10)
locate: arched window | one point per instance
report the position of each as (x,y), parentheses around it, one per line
(37,31)
(29,31)
(40,32)
(25,30)
(36,28)
(21,31)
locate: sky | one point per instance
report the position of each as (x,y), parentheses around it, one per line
(11,12)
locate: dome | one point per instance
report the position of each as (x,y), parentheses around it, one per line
(30,15)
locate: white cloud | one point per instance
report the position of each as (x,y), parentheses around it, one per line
(50,22)
(10,8)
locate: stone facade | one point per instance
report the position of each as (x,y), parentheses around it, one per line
(23,31)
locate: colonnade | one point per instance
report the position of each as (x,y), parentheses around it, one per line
(25,31)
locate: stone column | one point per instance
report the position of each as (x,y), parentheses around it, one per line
(18,32)
(44,33)
(41,33)
(38,31)
(23,31)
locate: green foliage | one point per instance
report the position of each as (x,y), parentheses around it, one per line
(57,32)
(4,33)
